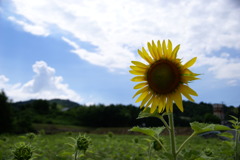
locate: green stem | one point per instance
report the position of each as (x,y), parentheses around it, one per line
(182,145)
(172,136)
(160,144)
(165,123)
(149,151)
(76,154)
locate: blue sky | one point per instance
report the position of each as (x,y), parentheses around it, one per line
(81,50)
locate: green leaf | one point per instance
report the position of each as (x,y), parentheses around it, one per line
(65,153)
(229,143)
(22,137)
(200,158)
(146,113)
(148,140)
(226,134)
(204,127)
(232,121)
(71,145)
(153,132)
(236,119)
(72,138)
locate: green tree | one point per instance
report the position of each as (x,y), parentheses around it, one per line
(41,106)
(239,112)
(5,113)
(210,118)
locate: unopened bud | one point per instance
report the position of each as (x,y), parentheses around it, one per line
(83,142)
(22,152)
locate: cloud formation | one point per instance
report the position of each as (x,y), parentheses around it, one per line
(117,29)
(45,85)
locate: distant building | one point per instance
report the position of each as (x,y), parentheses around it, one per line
(218,111)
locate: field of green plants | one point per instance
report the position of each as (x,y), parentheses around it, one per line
(104,147)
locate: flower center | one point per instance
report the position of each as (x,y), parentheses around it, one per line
(163,76)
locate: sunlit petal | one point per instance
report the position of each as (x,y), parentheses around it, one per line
(140,85)
(151,51)
(175,51)
(142,96)
(137,72)
(145,100)
(169,46)
(165,51)
(159,47)
(136,68)
(190,62)
(177,97)
(140,64)
(189,90)
(138,79)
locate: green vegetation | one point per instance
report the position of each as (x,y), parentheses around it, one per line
(22,117)
(27,125)
(105,147)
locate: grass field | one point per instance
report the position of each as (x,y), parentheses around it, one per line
(103,147)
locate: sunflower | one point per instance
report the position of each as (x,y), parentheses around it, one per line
(164,79)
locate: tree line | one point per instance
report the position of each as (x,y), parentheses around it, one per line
(19,117)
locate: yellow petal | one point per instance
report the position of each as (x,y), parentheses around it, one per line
(188,96)
(136,68)
(190,62)
(154,104)
(159,48)
(185,93)
(145,100)
(149,102)
(175,51)
(161,104)
(177,97)
(169,46)
(144,56)
(137,72)
(140,85)
(138,79)
(186,79)
(187,72)
(165,51)
(140,64)
(169,104)
(142,96)
(155,50)
(140,91)
(188,90)
(145,53)
(151,50)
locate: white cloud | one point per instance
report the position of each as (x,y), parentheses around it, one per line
(223,67)
(3,79)
(232,83)
(71,43)
(34,29)
(225,55)
(45,84)
(118,28)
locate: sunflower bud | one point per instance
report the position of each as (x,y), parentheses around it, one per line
(83,142)
(30,136)
(135,140)
(22,152)
(110,134)
(4,139)
(208,152)
(156,145)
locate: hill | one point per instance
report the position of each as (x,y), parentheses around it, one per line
(61,103)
